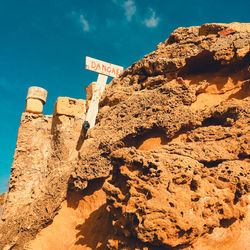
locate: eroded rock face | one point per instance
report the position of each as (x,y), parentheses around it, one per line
(82,222)
(173,195)
(174,132)
(168,92)
(172,142)
(46,145)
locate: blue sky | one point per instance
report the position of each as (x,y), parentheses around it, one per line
(44,43)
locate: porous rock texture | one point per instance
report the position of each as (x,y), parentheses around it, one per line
(170,154)
(45,147)
(2,198)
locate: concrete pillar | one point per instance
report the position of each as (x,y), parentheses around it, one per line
(35,100)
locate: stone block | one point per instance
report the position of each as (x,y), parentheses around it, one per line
(90,90)
(37,93)
(34,106)
(70,107)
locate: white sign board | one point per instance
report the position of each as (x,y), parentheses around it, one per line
(104,68)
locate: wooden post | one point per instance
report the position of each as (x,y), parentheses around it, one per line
(93,107)
(104,69)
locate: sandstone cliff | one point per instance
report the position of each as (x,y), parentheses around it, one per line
(165,167)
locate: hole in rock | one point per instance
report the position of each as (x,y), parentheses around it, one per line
(217,82)
(210,164)
(227,222)
(194,185)
(221,211)
(147,140)
(212,121)
(152,140)
(221,178)
(149,196)
(203,62)
(210,230)
(195,199)
(171,204)
(243,156)
(237,196)
(242,217)
(181,233)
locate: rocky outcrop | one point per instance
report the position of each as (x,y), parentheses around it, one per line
(165,92)
(2,198)
(173,130)
(45,148)
(174,195)
(82,222)
(170,151)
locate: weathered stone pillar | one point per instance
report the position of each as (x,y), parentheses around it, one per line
(35,100)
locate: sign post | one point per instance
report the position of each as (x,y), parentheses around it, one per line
(104,69)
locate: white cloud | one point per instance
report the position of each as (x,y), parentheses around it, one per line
(81,20)
(130,9)
(84,23)
(128,6)
(152,21)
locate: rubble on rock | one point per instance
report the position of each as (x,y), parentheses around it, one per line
(169,155)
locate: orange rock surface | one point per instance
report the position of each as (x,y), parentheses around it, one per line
(165,167)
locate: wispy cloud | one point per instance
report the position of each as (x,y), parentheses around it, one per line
(128,6)
(80,20)
(130,9)
(85,24)
(152,21)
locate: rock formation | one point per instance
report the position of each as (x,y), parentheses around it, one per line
(165,167)
(2,197)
